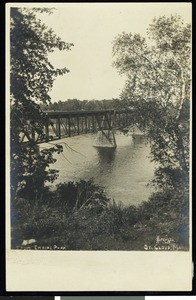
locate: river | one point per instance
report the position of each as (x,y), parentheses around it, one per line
(123,172)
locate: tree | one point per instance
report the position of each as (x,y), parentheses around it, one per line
(158,86)
(31,77)
(158,92)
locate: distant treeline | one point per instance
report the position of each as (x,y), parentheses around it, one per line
(75,104)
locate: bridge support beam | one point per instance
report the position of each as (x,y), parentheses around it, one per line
(93,123)
(86,125)
(47,129)
(66,124)
(59,127)
(78,125)
(69,126)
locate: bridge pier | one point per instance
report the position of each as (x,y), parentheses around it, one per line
(105,139)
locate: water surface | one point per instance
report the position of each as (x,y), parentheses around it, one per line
(124,172)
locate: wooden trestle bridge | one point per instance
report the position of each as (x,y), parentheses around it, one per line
(61,124)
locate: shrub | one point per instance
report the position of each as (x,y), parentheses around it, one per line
(74,196)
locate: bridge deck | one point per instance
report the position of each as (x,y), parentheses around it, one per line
(60,124)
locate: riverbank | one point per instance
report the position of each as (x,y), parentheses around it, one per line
(79,216)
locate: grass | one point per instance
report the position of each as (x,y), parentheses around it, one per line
(79,216)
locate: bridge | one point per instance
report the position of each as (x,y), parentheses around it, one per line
(60,124)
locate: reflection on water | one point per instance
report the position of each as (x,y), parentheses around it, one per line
(106,155)
(105,162)
(124,171)
(140,139)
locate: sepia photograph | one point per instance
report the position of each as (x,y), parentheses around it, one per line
(98,105)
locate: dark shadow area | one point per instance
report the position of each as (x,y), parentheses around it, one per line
(106,155)
(139,139)
(26,298)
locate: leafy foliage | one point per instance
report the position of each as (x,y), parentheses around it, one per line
(31,78)
(75,196)
(54,212)
(158,86)
(158,90)
(99,224)
(77,105)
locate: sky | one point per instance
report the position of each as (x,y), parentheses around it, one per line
(92,27)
